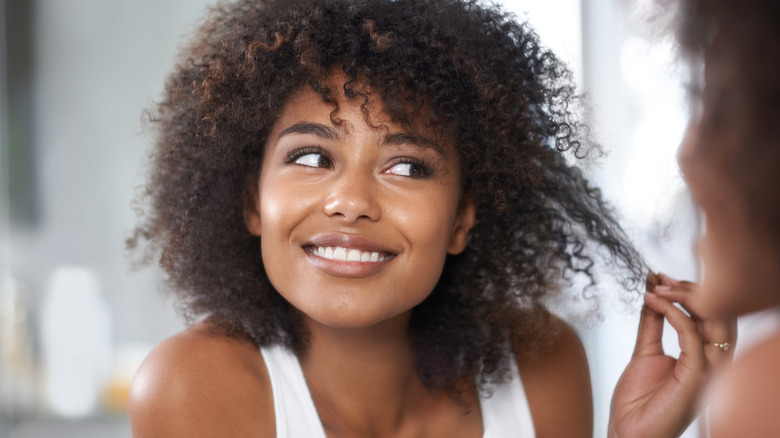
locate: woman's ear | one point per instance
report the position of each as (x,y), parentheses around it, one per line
(252,209)
(464,221)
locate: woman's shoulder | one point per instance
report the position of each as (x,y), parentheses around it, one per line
(556,379)
(745,400)
(202,383)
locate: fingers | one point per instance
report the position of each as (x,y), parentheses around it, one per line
(651,321)
(676,290)
(711,330)
(652,281)
(691,344)
(720,338)
(651,328)
(722,332)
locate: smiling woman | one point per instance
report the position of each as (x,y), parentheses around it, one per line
(364,204)
(329,196)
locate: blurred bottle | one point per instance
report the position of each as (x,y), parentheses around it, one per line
(76,340)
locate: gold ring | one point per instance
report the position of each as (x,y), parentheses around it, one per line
(722,346)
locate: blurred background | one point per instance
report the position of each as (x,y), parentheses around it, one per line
(75,77)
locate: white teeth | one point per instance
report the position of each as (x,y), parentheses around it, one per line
(348,255)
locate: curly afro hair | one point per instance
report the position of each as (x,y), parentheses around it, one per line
(508,102)
(740,42)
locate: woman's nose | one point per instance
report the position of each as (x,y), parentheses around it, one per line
(353,196)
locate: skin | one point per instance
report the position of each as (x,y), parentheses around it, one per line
(356,189)
(744,405)
(354,186)
(736,258)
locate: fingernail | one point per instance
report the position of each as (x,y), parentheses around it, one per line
(663,288)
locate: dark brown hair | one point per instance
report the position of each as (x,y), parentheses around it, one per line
(510,106)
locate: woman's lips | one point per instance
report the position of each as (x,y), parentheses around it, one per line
(347,255)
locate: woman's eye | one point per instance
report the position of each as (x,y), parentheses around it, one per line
(408,169)
(313,160)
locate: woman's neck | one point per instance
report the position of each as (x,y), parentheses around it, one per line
(363,381)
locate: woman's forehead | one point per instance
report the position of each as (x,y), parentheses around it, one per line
(407,119)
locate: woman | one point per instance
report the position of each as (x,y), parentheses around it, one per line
(363,204)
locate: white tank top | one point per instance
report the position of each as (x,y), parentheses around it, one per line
(504,414)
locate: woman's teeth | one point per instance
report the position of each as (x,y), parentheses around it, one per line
(348,255)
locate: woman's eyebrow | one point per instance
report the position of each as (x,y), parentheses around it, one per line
(419,141)
(394,139)
(312,128)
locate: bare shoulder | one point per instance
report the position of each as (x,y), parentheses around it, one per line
(557,384)
(745,401)
(199,383)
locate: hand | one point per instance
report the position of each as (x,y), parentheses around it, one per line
(713,331)
(657,395)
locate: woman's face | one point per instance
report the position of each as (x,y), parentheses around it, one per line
(355,218)
(740,273)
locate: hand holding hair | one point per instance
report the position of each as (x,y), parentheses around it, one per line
(658,395)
